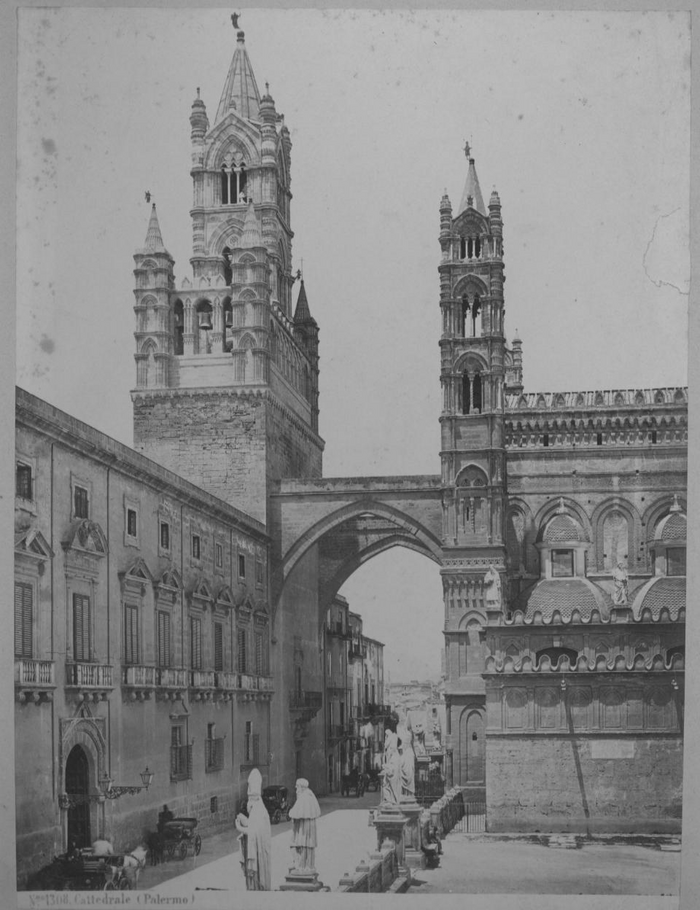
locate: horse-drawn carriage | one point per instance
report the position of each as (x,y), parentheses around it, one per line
(84,870)
(355,780)
(276,800)
(178,838)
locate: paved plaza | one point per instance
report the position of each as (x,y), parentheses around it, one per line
(471,864)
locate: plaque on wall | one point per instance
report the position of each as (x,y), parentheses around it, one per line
(611,748)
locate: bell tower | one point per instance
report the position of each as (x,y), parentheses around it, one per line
(227,380)
(473,356)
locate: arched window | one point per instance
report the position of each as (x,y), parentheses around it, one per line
(471,393)
(615,540)
(554,654)
(203,327)
(225,178)
(228,271)
(241,184)
(476,310)
(179,327)
(466,310)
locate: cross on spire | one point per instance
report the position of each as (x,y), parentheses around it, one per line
(467,149)
(234,19)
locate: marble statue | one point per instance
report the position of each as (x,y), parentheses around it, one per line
(619,575)
(255,838)
(304,813)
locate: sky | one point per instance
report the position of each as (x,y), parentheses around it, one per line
(581,120)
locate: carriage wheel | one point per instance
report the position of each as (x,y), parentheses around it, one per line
(182,852)
(170,849)
(197,844)
(276,817)
(124,884)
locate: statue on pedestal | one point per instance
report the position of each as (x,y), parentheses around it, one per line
(391,770)
(304,813)
(619,575)
(492,584)
(408,761)
(255,838)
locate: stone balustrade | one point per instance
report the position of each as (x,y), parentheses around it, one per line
(377,874)
(444,813)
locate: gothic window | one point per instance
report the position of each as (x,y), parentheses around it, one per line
(476,310)
(24,609)
(466,309)
(241,184)
(471,393)
(179,326)
(163,648)
(204,327)
(82,620)
(228,271)
(462,247)
(131,634)
(225,185)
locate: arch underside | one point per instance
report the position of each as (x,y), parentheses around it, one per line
(346,546)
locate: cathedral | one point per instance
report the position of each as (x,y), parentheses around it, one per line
(171,598)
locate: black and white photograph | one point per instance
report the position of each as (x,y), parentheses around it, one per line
(351,457)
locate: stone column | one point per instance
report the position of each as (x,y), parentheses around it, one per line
(413,855)
(390,823)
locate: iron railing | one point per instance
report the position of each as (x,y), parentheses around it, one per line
(181,762)
(214,754)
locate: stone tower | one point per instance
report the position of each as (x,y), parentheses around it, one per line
(473,375)
(227,374)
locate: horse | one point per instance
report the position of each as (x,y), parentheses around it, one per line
(134,863)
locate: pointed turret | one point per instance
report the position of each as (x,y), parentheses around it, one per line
(240,89)
(302,314)
(250,236)
(154,239)
(471,197)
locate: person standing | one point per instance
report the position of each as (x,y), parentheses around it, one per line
(304,813)
(255,838)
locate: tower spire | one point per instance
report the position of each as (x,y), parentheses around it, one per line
(240,89)
(471,197)
(154,239)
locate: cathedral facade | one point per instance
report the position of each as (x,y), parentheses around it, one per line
(171,599)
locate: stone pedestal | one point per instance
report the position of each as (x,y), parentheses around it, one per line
(414,857)
(302,880)
(390,823)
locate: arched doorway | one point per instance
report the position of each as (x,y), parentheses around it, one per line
(77,785)
(472,743)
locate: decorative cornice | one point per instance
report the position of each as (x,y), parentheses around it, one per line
(599,664)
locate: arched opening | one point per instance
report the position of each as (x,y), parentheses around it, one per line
(203,327)
(471,393)
(472,750)
(228,270)
(77,786)
(178,327)
(554,654)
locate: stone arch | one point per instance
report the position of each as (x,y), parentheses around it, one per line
(470,285)
(424,540)
(471,729)
(472,476)
(600,515)
(549,509)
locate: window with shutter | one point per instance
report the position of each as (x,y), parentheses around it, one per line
(164,535)
(24,602)
(81,502)
(248,740)
(81,627)
(241,651)
(131,634)
(195,643)
(23,481)
(259,655)
(131,522)
(256,748)
(218,646)
(163,655)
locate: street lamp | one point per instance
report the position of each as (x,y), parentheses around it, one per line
(114,792)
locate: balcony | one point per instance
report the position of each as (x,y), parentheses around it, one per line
(34,680)
(171,683)
(336,629)
(357,651)
(92,681)
(214,754)
(254,688)
(202,684)
(139,681)
(226,682)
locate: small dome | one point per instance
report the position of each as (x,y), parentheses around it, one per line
(563,528)
(672,527)
(658,593)
(564,595)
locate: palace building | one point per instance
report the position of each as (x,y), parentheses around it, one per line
(177,609)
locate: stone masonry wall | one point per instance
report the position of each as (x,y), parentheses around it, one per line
(588,785)
(216,441)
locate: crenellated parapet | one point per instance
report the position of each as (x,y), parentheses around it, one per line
(619,663)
